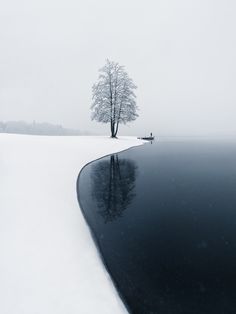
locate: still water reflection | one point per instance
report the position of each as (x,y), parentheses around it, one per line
(113,183)
(164,219)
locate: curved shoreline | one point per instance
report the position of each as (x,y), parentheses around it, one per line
(95,239)
(46,245)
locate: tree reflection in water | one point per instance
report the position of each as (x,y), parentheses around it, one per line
(113,185)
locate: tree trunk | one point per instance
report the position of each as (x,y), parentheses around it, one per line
(117,127)
(113,129)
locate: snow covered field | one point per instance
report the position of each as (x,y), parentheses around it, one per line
(48,261)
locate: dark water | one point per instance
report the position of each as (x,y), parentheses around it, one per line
(164,218)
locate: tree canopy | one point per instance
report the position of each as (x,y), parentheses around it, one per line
(114,100)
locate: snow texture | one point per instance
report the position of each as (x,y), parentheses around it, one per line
(49,263)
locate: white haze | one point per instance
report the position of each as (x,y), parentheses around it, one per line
(181,54)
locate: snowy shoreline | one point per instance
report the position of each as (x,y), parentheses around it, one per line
(49,262)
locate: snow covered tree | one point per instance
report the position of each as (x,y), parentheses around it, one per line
(114,100)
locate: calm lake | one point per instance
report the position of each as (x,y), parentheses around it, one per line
(164,218)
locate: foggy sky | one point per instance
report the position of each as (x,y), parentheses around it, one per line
(180,53)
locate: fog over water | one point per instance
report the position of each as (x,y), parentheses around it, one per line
(181,54)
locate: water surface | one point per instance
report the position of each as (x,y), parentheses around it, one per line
(164,218)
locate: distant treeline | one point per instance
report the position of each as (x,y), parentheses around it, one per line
(35,128)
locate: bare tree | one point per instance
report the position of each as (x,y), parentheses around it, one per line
(114,100)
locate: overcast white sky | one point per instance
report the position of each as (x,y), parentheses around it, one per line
(180,53)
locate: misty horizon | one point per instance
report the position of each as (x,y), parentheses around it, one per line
(181,55)
(37,128)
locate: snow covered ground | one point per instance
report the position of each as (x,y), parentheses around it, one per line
(48,261)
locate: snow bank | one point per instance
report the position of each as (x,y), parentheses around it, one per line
(48,262)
